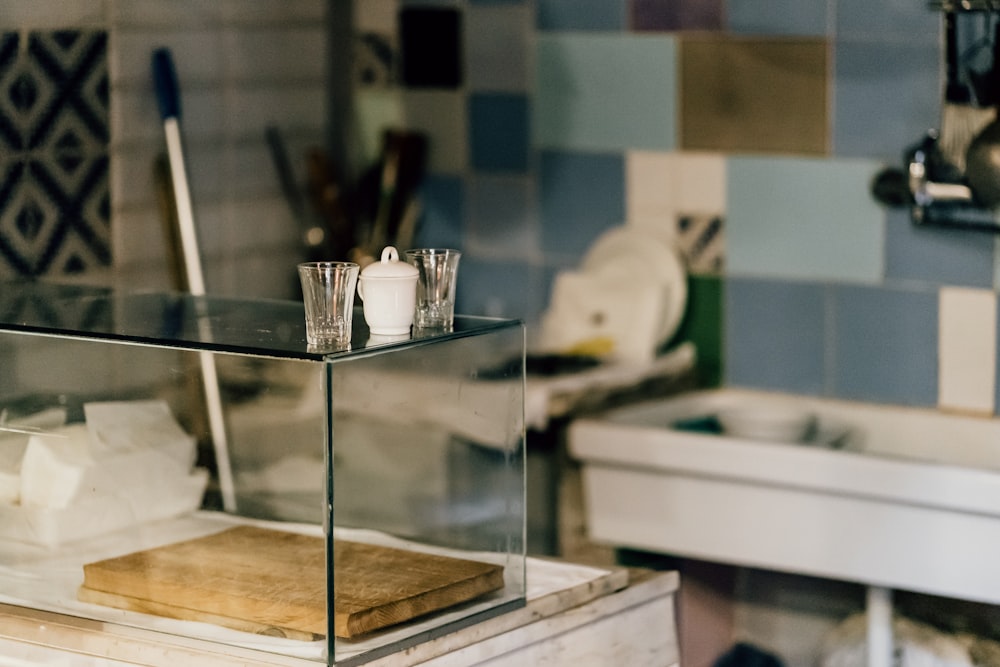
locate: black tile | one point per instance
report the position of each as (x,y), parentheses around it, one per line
(431,45)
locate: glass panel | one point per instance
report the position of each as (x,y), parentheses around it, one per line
(138,503)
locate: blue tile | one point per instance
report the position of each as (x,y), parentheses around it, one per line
(498,132)
(774,335)
(443,200)
(503,217)
(580,196)
(803,218)
(605,92)
(660,15)
(914,21)
(885,345)
(500,289)
(937,255)
(777,17)
(887,96)
(581,14)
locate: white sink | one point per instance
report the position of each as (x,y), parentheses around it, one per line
(887,496)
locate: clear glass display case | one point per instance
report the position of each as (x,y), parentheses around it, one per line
(189,465)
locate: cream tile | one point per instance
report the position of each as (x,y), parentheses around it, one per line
(276,54)
(48,14)
(131,178)
(700,180)
(250,109)
(649,180)
(967,343)
(376,110)
(197,56)
(157,13)
(662,186)
(271,12)
(376,16)
(135,118)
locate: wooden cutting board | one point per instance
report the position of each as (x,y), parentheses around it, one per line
(274,582)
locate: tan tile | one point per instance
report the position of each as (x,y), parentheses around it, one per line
(751,94)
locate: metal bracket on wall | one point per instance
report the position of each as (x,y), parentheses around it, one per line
(935,194)
(943,204)
(964,5)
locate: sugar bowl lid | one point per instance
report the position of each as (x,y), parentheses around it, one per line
(389,266)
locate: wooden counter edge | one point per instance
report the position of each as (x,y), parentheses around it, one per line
(620,589)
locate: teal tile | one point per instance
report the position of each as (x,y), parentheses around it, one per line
(605,92)
(581,14)
(803,219)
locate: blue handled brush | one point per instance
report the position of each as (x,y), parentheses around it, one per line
(168,98)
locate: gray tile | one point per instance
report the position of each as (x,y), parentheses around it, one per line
(500,289)
(937,255)
(774,335)
(502,217)
(443,201)
(913,21)
(885,345)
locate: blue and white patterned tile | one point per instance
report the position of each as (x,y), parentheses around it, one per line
(54,200)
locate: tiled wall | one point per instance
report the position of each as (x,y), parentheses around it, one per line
(759,125)
(241,65)
(761,122)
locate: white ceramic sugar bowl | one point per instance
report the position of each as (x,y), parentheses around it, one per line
(388,289)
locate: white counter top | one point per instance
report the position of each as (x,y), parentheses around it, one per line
(632,625)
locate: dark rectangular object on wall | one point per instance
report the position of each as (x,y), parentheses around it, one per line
(431,44)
